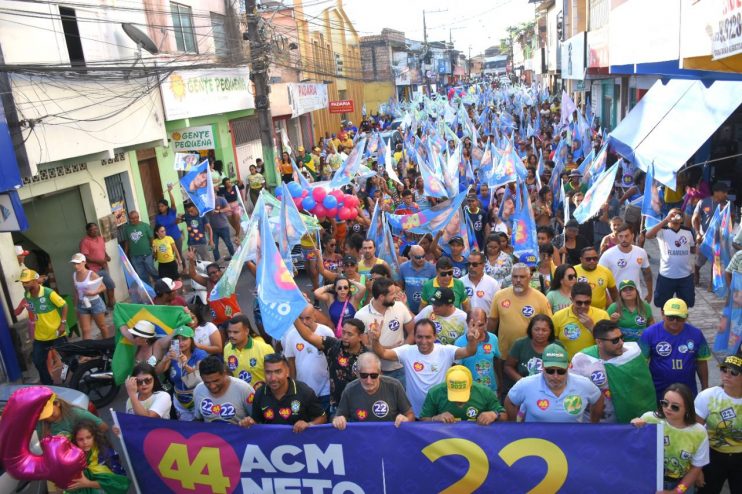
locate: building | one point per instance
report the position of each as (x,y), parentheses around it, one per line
(378,53)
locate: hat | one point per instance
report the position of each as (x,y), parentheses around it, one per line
(28,275)
(442,296)
(626,284)
(48,409)
(166,285)
(575,173)
(172,285)
(143,329)
(300,148)
(555,356)
(185,331)
(456,239)
(78,259)
(458,383)
(732,362)
(350,260)
(19,251)
(676,307)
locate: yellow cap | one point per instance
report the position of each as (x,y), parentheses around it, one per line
(458,382)
(676,307)
(48,409)
(28,275)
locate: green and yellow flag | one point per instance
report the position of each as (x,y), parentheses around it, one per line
(165,318)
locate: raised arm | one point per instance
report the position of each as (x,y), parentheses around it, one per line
(201,280)
(472,337)
(309,336)
(374,334)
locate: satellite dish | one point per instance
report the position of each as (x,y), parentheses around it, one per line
(142,40)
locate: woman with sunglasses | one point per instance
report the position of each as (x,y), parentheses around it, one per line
(331,259)
(686,441)
(720,409)
(632,314)
(341,304)
(560,294)
(146,397)
(498,263)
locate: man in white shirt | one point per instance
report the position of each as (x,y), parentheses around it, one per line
(306,363)
(426,362)
(629,262)
(480,287)
(677,252)
(393,319)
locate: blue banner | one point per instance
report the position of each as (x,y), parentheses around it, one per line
(194,457)
(198,186)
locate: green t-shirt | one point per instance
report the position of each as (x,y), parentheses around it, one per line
(684,448)
(529,361)
(632,323)
(66,425)
(459,292)
(482,399)
(557,300)
(139,237)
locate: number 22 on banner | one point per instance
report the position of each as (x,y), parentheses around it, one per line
(556,462)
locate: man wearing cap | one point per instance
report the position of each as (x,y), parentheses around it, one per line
(456,246)
(702,217)
(628,261)
(445,278)
(676,350)
(574,184)
(450,322)
(554,395)
(677,249)
(574,324)
(414,274)
(50,313)
(165,292)
(619,371)
(138,247)
(245,351)
(599,277)
(220,397)
(480,287)
(93,247)
(460,398)
(373,397)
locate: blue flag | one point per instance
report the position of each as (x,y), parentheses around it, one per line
(139,291)
(198,186)
(350,166)
(525,243)
(597,195)
(651,204)
(716,246)
(429,220)
(290,227)
(729,336)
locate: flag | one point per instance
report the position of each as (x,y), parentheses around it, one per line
(430,220)
(198,186)
(184,161)
(525,243)
(596,166)
(389,165)
(716,246)
(596,195)
(505,170)
(350,166)
(165,318)
(381,234)
(301,179)
(279,298)
(139,291)
(728,338)
(568,107)
(285,142)
(432,183)
(565,204)
(290,227)
(651,204)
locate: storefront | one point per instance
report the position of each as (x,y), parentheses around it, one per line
(291,107)
(573,66)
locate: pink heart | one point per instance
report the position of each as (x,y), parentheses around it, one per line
(157,443)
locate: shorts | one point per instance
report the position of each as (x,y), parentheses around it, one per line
(701,260)
(96,307)
(236,208)
(667,288)
(309,254)
(107,280)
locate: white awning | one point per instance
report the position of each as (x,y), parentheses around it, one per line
(672,121)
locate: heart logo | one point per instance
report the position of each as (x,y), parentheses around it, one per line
(285,413)
(487,348)
(300,346)
(418,366)
(543,404)
(157,443)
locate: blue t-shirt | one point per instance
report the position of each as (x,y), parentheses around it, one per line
(459,267)
(183,394)
(672,358)
(481,364)
(196,226)
(413,282)
(170,221)
(538,403)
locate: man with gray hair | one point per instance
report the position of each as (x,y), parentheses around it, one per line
(373,397)
(414,273)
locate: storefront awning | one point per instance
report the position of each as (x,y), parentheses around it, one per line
(672,121)
(670,69)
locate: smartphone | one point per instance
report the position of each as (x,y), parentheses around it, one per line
(175,346)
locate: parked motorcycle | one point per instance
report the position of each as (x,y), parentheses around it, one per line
(87,368)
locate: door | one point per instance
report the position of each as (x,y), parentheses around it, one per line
(149,174)
(246,142)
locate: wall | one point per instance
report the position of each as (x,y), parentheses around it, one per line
(376,93)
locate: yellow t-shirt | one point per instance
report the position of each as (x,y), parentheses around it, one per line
(673,196)
(600,280)
(514,312)
(247,364)
(164,249)
(46,309)
(571,332)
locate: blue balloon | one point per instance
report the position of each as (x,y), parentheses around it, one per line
(279,191)
(330,202)
(308,203)
(295,189)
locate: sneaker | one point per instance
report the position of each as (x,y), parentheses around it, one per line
(228,258)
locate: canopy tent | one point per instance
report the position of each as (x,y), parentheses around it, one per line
(672,121)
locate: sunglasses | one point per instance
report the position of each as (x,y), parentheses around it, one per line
(571,276)
(671,406)
(366,375)
(445,273)
(146,380)
(612,340)
(675,318)
(418,257)
(348,264)
(591,258)
(473,264)
(555,370)
(727,370)
(581,302)
(343,288)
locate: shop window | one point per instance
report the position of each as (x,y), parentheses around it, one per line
(72,36)
(185,38)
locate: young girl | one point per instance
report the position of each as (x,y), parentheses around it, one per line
(632,314)
(166,254)
(103,473)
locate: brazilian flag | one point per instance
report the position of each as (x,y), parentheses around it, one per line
(165,318)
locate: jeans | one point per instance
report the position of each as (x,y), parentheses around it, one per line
(399,375)
(145,267)
(224,234)
(39,355)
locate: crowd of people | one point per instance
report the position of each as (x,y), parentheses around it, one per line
(465,332)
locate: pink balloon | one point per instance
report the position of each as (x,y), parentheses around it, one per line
(304,193)
(60,461)
(331,212)
(338,194)
(344,213)
(318,194)
(297,201)
(353,214)
(320,210)
(351,201)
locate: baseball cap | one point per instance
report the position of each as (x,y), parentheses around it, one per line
(675,307)
(350,260)
(555,356)
(442,296)
(184,331)
(732,362)
(456,239)
(78,258)
(166,285)
(144,329)
(575,173)
(28,275)
(48,409)
(20,251)
(626,284)
(458,383)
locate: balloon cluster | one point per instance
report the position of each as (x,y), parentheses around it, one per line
(323,204)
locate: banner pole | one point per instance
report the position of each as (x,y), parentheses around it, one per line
(130,468)
(660,466)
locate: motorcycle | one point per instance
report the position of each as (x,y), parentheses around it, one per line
(87,368)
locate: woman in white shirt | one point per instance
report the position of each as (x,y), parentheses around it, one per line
(146,397)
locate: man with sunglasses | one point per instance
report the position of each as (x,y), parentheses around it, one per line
(450,322)
(677,351)
(599,277)
(445,278)
(455,254)
(414,274)
(554,395)
(480,287)
(619,371)
(373,397)
(574,325)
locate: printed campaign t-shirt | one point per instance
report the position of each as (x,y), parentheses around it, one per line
(247,364)
(684,448)
(447,328)
(481,364)
(422,372)
(539,404)
(384,405)
(139,237)
(514,313)
(413,282)
(234,405)
(626,266)
(600,280)
(723,416)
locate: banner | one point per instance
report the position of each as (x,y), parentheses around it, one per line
(139,291)
(194,457)
(198,186)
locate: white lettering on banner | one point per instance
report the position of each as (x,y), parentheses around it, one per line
(193,138)
(727,38)
(282,485)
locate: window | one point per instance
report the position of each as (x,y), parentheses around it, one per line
(72,36)
(220,37)
(185,39)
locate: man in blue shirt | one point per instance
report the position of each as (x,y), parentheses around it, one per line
(414,273)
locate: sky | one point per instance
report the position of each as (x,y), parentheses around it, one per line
(479,23)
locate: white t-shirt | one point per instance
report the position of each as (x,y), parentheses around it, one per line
(391,325)
(676,259)
(481,294)
(160,403)
(422,372)
(626,266)
(203,333)
(311,364)
(448,328)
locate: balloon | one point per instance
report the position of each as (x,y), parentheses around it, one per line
(344,213)
(338,194)
(318,194)
(320,211)
(304,193)
(279,191)
(60,461)
(353,214)
(295,189)
(330,202)
(332,212)
(297,201)
(308,203)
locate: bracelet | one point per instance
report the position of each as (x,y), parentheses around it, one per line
(681,488)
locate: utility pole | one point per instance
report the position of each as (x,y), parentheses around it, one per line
(425,43)
(259,62)
(469,64)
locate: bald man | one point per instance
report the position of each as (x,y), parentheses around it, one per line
(414,273)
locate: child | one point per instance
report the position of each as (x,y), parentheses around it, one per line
(103,473)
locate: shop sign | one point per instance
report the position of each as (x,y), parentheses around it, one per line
(573,57)
(727,28)
(306,97)
(194,93)
(597,48)
(193,138)
(341,106)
